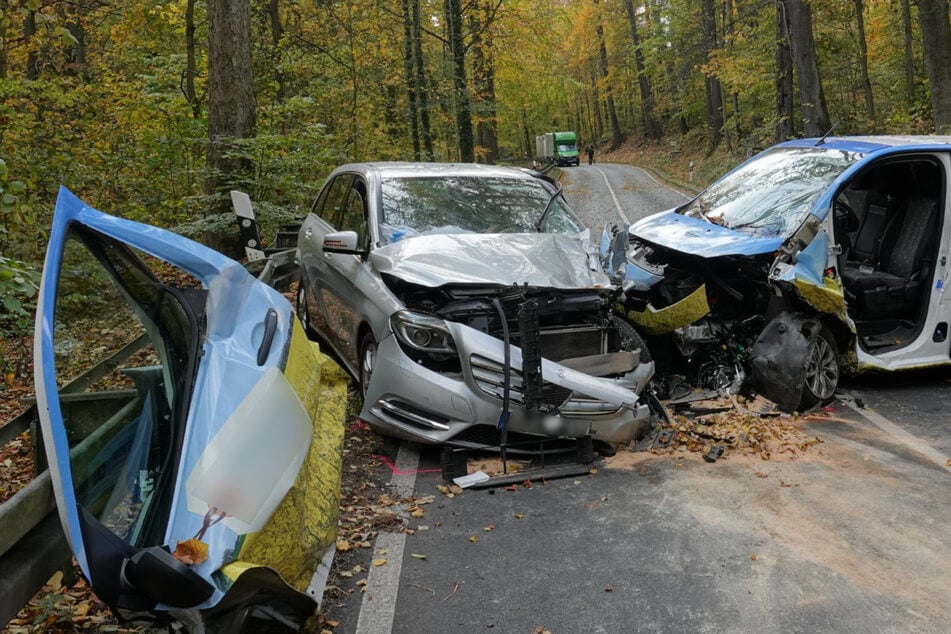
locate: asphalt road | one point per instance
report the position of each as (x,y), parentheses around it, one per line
(851,536)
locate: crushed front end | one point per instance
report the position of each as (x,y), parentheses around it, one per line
(467,362)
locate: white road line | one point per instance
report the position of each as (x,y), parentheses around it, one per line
(617,203)
(909,440)
(378,608)
(651,176)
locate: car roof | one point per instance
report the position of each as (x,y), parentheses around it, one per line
(867,144)
(407,169)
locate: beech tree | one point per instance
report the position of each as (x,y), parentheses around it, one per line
(231,102)
(936,42)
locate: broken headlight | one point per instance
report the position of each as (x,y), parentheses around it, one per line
(426,340)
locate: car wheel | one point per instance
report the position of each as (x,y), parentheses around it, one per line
(822,369)
(302,312)
(367,361)
(631,339)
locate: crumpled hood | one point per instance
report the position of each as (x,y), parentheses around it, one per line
(699,237)
(536,259)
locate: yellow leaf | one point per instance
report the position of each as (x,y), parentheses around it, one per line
(753,557)
(474,538)
(343,545)
(519,516)
(191,551)
(379,562)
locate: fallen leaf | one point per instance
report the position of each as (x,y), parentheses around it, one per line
(474,538)
(416,556)
(379,562)
(753,557)
(343,545)
(191,551)
(490,527)
(609,589)
(511,487)
(519,516)
(760,474)
(527,484)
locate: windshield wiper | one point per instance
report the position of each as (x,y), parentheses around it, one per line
(541,220)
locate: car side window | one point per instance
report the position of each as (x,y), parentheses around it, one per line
(354,215)
(330,204)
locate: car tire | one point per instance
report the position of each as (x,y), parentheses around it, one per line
(822,369)
(367,361)
(302,313)
(631,339)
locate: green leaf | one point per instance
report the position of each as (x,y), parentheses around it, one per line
(16,187)
(12,304)
(8,199)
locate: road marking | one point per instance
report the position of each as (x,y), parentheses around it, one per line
(617,203)
(909,440)
(665,186)
(378,608)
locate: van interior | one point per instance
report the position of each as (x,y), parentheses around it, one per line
(888,223)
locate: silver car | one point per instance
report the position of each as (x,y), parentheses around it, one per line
(470,305)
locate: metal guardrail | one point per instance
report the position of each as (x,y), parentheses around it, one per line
(32,544)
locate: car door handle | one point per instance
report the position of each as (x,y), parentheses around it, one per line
(270,328)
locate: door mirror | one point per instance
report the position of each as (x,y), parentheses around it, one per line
(342,242)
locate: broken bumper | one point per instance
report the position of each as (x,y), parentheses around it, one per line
(409,401)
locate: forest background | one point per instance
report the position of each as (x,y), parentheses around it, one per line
(154,110)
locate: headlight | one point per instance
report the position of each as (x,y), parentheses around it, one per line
(426,340)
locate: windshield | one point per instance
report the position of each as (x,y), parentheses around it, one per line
(773,194)
(471,204)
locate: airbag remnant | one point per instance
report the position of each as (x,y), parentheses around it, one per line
(778,361)
(683,313)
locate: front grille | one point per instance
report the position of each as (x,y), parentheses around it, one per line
(490,378)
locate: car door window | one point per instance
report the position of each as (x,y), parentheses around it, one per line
(354,216)
(126,347)
(333,199)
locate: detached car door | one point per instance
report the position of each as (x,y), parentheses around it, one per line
(193,434)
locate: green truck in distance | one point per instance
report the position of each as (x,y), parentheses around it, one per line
(559,147)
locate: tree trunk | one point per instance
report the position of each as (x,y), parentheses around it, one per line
(422,88)
(231,114)
(784,76)
(711,82)
(33,57)
(483,71)
(457,50)
(190,68)
(609,95)
(815,116)
(277,32)
(409,76)
(651,128)
(863,61)
(3,39)
(909,54)
(936,43)
(596,108)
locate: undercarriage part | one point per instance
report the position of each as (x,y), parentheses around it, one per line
(455,464)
